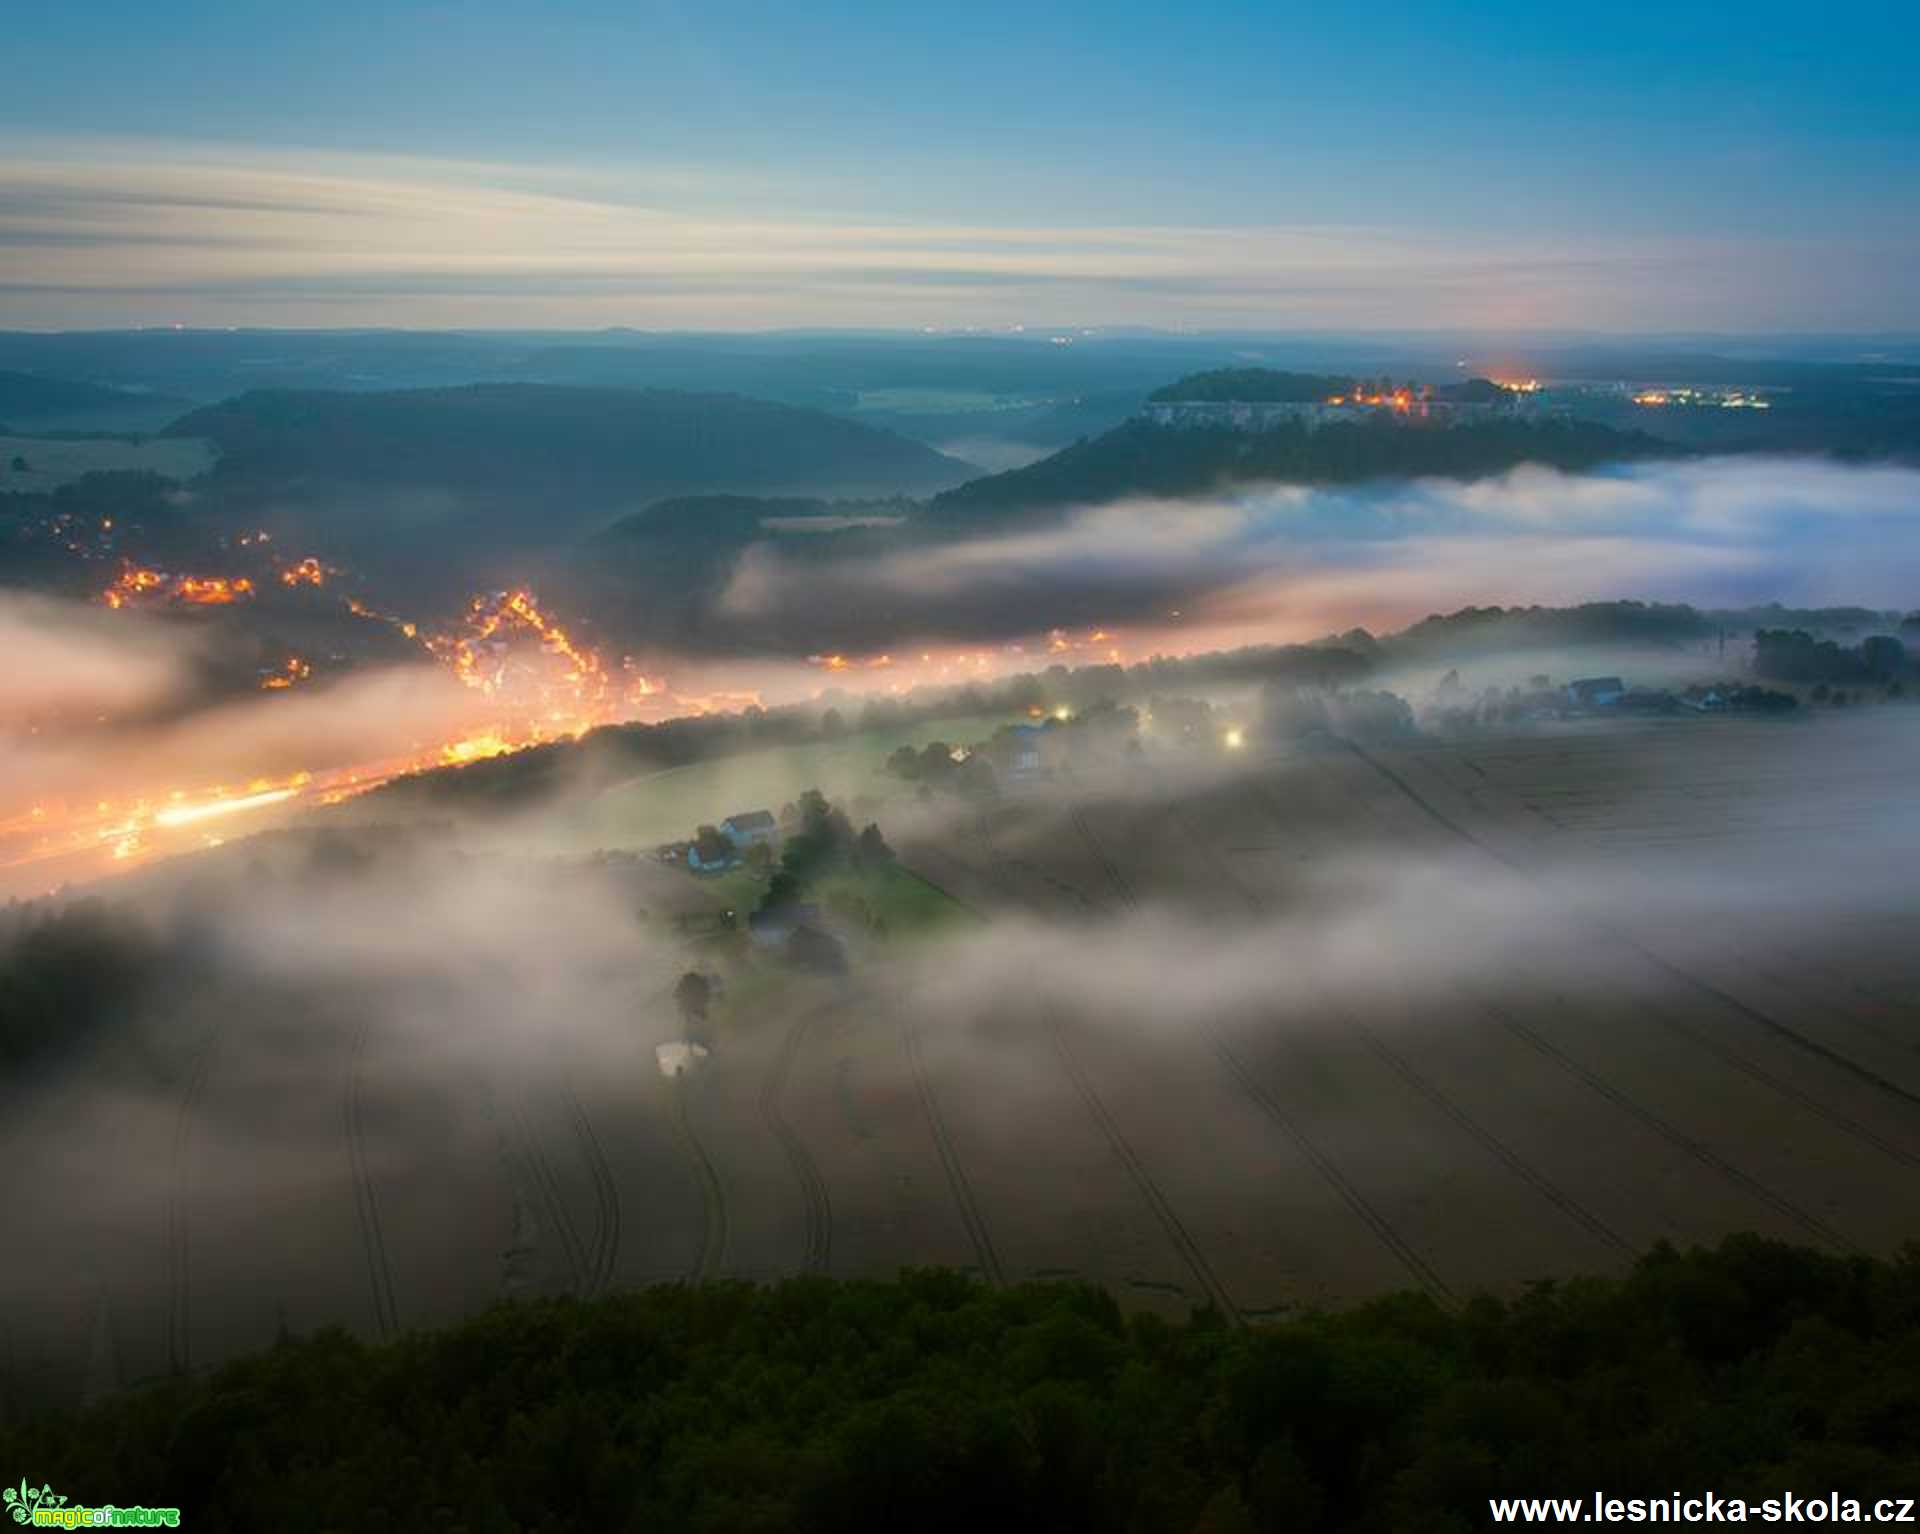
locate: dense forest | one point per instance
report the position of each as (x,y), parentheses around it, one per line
(1794,655)
(66,970)
(933,1402)
(27,397)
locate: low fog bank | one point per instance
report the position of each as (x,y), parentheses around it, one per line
(1294,562)
(439,998)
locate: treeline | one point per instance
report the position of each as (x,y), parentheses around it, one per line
(1143,459)
(1474,629)
(933,1402)
(1340,662)
(622,750)
(65,970)
(1794,655)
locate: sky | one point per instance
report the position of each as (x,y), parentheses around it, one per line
(736,164)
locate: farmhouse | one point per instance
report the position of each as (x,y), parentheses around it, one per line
(753,828)
(711,865)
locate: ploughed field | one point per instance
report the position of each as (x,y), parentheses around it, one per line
(1262,1035)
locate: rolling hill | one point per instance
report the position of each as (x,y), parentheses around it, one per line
(461,486)
(37,401)
(1140,458)
(638,443)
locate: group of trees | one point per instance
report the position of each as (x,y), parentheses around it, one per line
(940,766)
(1291,714)
(1794,655)
(933,1402)
(819,839)
(65,970)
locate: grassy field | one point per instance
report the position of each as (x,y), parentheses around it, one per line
(53,462)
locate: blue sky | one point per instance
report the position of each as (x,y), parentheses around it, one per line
(1625,167)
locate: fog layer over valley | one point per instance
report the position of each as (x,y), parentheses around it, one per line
(1294,562)
(526,885)
(1261,1028)
(302,690)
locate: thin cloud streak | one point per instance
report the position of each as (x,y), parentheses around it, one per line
(96,232)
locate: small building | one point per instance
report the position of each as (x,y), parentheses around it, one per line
(754,828)
(1596,692)
(701,865)
(1027,757)
(1023,753)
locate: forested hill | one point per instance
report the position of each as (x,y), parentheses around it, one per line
(28,398)
(936,1403)
(1141,458)
(493,438)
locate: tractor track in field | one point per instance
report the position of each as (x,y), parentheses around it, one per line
(601,1257)
(366,1200)
(179,1243)
(714,1230)
(1205,1279)
(1565,1202)
(1170,1221)
(1741,1009)
(546,1186)
(1622,1100)
(1421,1271)
(957,1181)
(815,1200)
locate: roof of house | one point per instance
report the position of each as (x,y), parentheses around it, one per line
(751,820)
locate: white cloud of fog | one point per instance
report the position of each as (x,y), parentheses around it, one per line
(79,661)
(1288,562)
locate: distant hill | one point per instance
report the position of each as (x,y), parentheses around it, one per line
(645,443)
(445,489)
(1140,458)
(1249,385)
(30,400)
(659,573)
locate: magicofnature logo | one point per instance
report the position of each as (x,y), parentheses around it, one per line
(23,1501)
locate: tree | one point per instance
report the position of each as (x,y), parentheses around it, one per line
(871,850)
(693,995)
(711,845)
(904,763)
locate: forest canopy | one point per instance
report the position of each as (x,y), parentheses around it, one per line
(933,1402)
